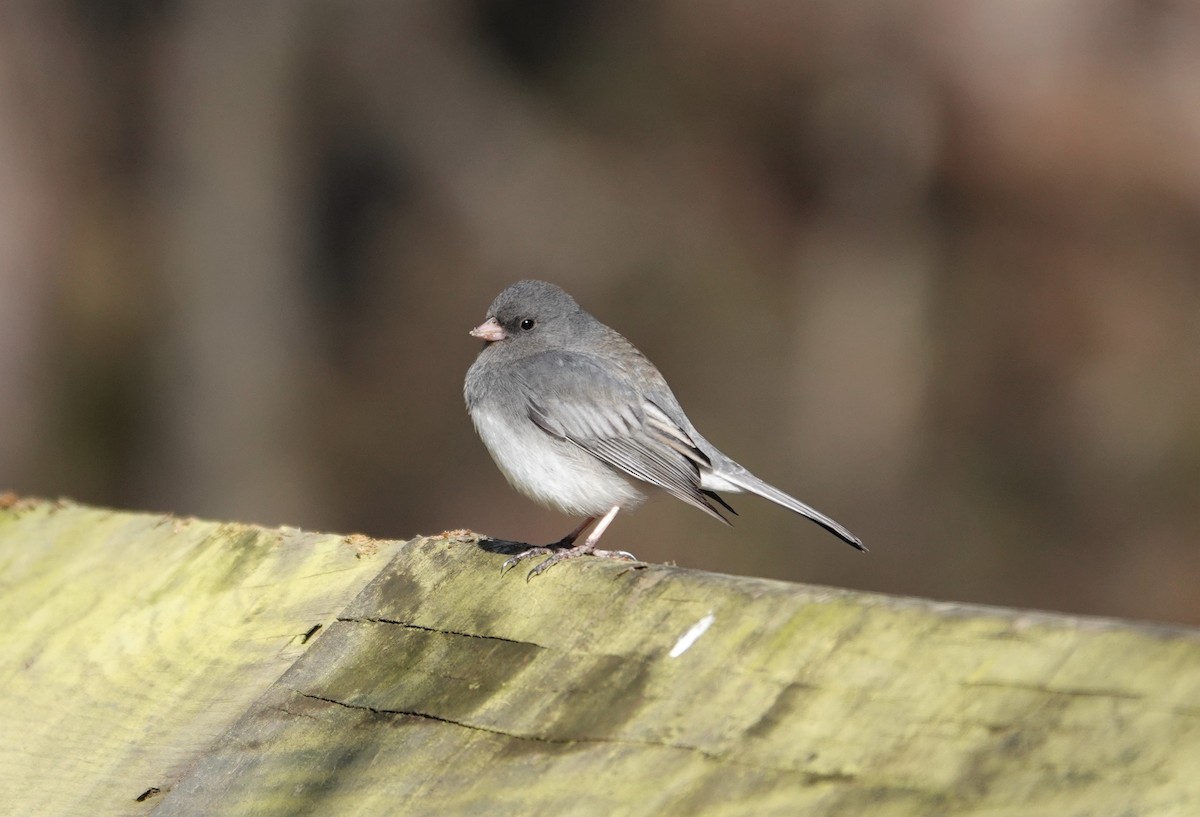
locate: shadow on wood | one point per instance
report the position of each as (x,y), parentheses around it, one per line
(177,667)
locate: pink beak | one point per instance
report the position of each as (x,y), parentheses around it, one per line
(490,330)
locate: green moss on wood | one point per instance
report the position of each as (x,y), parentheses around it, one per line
(153,652)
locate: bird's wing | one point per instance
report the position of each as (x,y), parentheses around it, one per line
(571,397)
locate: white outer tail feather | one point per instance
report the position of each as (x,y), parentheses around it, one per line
(745,481)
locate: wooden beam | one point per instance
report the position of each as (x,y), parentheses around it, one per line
(598,688)
(132,642)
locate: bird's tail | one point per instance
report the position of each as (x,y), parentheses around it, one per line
(743,479)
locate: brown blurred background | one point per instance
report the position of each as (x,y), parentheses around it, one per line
(934,267)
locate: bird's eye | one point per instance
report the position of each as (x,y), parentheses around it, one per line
(527,324)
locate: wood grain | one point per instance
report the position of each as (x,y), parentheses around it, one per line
(131,642)
(144,653)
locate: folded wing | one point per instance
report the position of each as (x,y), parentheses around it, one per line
(572,398)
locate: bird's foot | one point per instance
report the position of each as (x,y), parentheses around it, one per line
(558,553)
(542,550)
(526,554)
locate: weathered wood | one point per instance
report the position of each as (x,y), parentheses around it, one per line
(444,689)
(131,642)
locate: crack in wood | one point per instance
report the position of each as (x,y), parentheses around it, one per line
(810,777)
(507,734)
(147,794)
(410,626)
(1073,692)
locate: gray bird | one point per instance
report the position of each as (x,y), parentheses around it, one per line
(579,420)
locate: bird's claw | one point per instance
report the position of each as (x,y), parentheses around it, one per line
(562,554)
(623,555)
(522,556)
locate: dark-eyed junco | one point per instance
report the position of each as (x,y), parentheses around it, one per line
(579,420)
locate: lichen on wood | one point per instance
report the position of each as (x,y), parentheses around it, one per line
(180,656)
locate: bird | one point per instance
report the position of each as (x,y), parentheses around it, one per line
(579,420)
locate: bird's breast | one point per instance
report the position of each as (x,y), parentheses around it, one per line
(556,473)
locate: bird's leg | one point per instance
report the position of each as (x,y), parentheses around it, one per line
(570,538)
(544,550)
(587,548)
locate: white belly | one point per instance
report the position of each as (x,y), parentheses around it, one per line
(553,472)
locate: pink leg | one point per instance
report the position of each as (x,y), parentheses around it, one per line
(601,526)
(570,538)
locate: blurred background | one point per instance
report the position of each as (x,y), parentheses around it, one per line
(932,267)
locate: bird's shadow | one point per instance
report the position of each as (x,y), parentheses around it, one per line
(508,547)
